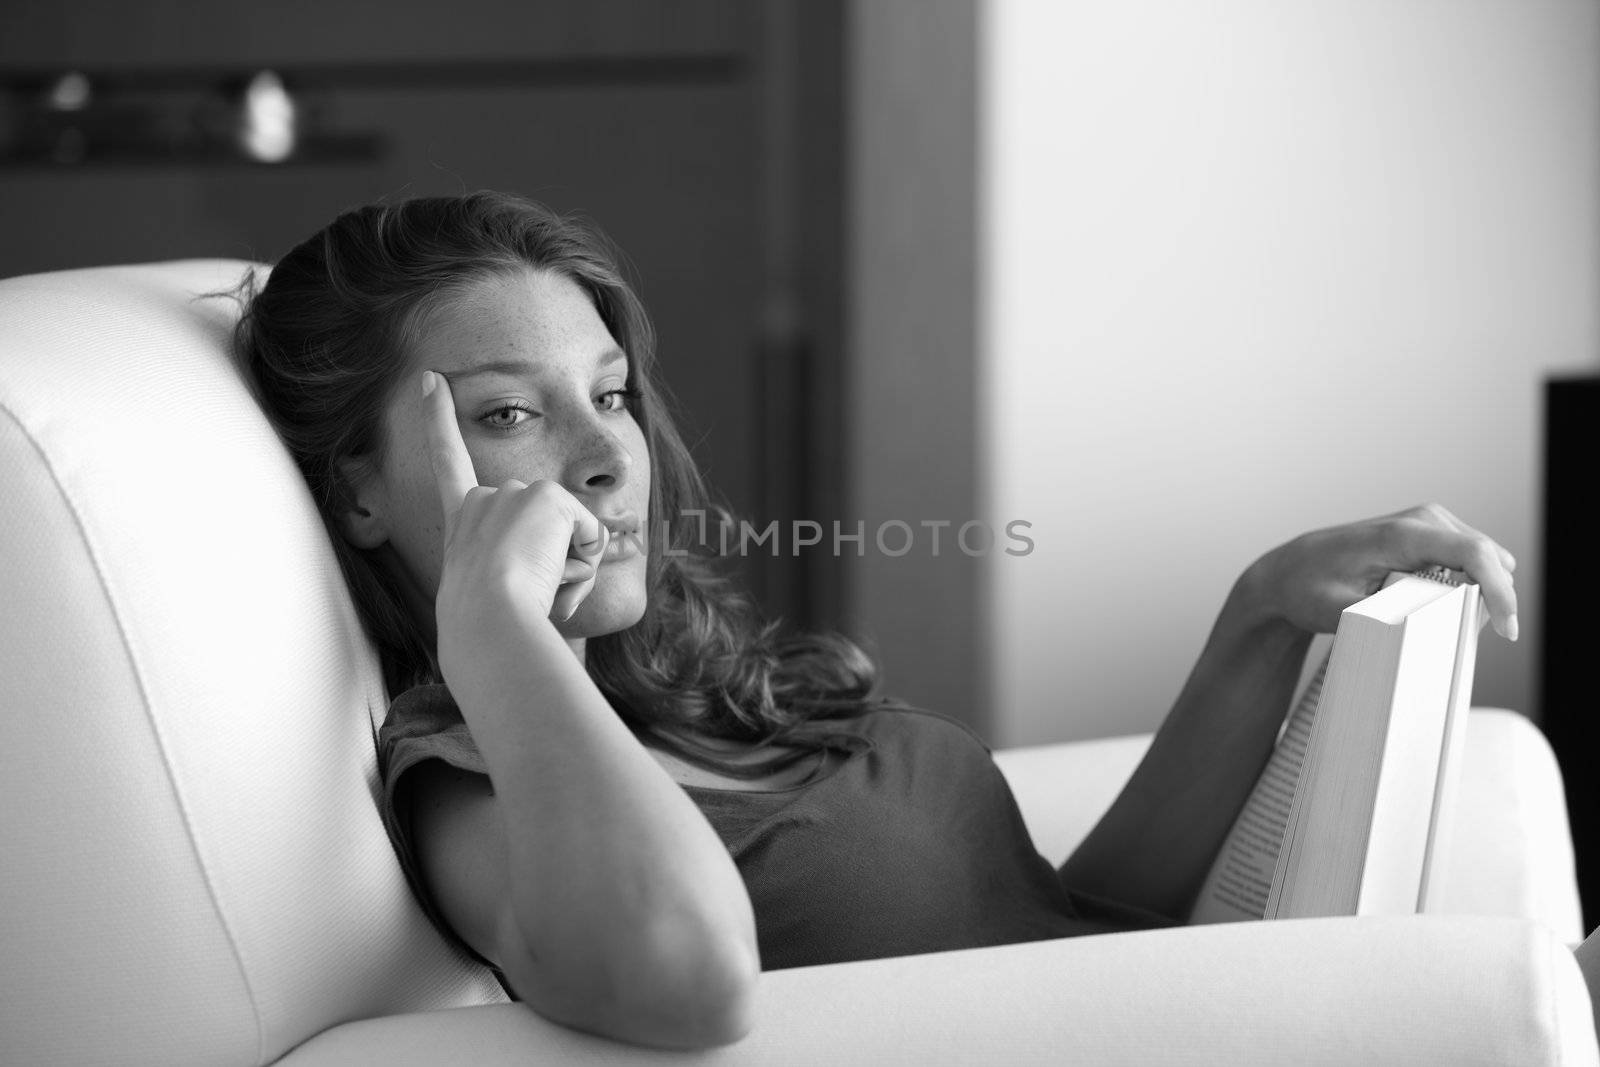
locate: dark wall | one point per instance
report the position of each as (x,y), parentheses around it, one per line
(677,127)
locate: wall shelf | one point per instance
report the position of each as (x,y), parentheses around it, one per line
(358,149)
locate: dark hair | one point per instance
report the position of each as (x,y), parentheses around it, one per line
(323,344)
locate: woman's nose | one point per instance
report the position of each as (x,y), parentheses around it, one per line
(600,460)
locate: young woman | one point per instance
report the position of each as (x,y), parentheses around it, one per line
(605,775)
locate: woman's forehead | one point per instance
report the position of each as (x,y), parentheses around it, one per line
(530,323)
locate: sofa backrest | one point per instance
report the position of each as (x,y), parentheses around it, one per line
(192,864)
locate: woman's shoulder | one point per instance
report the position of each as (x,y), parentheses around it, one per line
(898,718)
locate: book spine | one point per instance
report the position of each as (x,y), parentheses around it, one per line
(1450,753)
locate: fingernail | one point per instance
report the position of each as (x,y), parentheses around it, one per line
(428,382)
(1511,629)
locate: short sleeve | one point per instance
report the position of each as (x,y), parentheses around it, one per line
(423,724)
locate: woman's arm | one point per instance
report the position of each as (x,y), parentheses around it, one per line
(585,873)
(1154,846)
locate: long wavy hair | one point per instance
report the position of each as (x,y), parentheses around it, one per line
(324,344)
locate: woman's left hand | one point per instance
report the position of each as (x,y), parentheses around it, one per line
(1310,580)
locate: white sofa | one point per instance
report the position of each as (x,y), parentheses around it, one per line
(194,870)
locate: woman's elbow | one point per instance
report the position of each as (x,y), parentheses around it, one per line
(685,998)
(698,999)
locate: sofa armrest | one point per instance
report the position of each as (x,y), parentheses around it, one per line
(1510,850)
(1510,847)
(1390,990)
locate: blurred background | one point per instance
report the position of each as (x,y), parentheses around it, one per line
(1171,283)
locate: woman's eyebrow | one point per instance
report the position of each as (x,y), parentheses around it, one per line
(525,368)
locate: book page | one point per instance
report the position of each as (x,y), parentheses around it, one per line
(1241,877)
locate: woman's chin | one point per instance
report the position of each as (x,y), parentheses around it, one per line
(595,618)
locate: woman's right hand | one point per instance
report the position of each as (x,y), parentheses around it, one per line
(533,548)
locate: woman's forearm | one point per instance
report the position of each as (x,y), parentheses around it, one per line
(1153,847)
(615,875)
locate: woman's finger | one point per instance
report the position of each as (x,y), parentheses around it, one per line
(588,534)
(1447,516)
(447,452)
(1435,543)
(576,570)
(571,597)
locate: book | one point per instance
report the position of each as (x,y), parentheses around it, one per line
(1351,814)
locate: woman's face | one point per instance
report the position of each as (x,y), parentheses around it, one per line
(555,414)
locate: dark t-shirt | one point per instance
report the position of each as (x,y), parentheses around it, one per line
(909,841)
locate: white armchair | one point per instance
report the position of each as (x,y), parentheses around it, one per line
(195,870)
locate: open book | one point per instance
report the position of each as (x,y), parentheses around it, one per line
(1349,816)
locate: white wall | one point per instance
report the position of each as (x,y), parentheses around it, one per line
(1255,267)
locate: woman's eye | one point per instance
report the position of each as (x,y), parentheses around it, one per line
(619,399)
(494,419)
(503,419)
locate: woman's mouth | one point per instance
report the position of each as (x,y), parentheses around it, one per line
(624,540)
(621,546)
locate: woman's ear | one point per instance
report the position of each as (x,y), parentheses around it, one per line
(362,522)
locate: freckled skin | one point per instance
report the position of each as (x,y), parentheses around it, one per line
(582,438)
